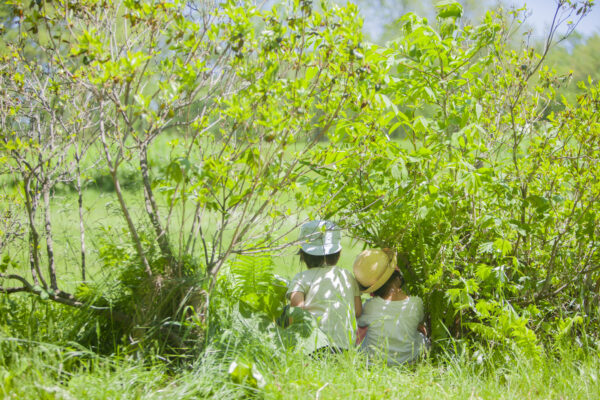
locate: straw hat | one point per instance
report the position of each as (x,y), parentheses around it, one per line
(373,268)
(320,238)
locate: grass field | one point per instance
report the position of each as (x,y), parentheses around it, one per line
(35,370)
(103,217)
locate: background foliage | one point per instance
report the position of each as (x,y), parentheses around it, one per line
(489,201)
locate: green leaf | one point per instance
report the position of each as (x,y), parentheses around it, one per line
(424,152)
(503,246)
(449,9)
(540,203)
(484,271)
(522,229)
(174,171)
(304,333)
(395,171)
(423,212)
(239,371)
(242,372)
(258,378)
(5,263)
(448,28)
(311,73)
(387,102)
(430,93)
(358,54)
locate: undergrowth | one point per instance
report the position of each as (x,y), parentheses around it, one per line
(31,369)
(47,351)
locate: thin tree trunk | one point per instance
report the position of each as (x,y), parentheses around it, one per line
(49,242)
(152,208)
(113,172)
(80,206)
(34,258)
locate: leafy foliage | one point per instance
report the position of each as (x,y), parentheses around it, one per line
(247,95)
(251,282)
(484,199)
(577,60)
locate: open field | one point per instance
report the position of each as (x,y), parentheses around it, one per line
(103,218)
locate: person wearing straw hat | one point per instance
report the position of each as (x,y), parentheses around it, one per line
(328,292)
(392,319)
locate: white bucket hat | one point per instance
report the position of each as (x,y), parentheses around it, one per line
(373,268)
(320,238)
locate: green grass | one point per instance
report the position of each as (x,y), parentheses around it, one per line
(520,378)
(40,358)
(102,217)
(43,371)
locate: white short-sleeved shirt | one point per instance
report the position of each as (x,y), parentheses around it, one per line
(392,332)
(329,296)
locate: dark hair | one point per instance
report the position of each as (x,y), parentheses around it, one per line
(332,259)
(395,279)
(319,261)
(310,260)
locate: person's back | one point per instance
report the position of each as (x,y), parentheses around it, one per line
(328,292)
(329,296)
(393,328)
(392,317)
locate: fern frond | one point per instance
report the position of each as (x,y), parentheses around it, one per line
(251,274)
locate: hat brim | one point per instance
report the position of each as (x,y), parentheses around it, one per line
(320,250)
(391,267)
(381,281)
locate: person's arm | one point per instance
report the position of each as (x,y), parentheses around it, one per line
(357,306)
(361,333)
(297,299)
(362,323)
(421,328)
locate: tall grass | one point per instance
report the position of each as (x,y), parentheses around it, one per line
(39,369)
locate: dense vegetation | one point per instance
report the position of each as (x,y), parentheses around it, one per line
(212,131)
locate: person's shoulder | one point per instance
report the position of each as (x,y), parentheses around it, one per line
(372,304)
(415,300)
(342,271)
(415,303)
(303,275)
(347,276)
(302,281)
(298,275)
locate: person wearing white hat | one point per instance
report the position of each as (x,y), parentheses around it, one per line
(392,319)
(328,292)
